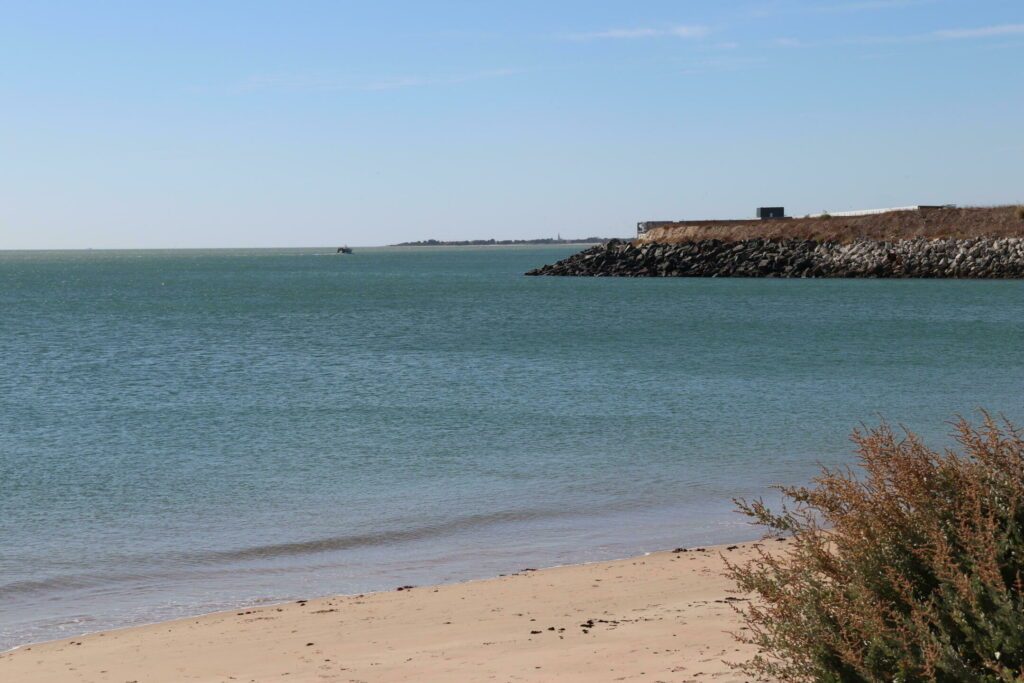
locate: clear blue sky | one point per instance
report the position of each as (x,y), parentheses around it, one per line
(198,124)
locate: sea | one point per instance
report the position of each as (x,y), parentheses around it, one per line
(190,431)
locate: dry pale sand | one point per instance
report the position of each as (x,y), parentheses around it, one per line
(661,617)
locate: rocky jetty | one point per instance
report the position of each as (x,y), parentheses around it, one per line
(992,258)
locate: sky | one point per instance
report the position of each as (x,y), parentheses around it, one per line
(304,123)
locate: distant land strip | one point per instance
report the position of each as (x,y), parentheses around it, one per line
(486,243)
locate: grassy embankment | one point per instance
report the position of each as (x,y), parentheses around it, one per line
(959,223)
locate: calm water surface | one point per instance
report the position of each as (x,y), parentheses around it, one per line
(193,430)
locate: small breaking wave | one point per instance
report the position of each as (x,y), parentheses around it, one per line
(224,560)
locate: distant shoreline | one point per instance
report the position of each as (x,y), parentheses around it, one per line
(510,243)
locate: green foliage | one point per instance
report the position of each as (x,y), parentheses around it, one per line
(1019,212)
(911,571)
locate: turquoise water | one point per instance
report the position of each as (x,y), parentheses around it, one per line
(193,430)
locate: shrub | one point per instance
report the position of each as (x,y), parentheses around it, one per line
(1019,212)
(911,571)
(825,215)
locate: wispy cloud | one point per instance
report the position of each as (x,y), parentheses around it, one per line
(617,33)
(983,32)
(679,31)
(689,31)
(311,83)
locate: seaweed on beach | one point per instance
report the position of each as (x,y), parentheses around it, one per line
(909,569)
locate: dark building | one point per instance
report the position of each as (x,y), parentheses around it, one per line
(766,212)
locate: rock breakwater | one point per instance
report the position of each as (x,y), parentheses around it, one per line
(996,258)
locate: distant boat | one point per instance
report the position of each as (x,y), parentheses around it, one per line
(344,250)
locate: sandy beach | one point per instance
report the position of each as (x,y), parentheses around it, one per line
(659,617)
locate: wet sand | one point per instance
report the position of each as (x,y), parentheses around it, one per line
(660,617)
